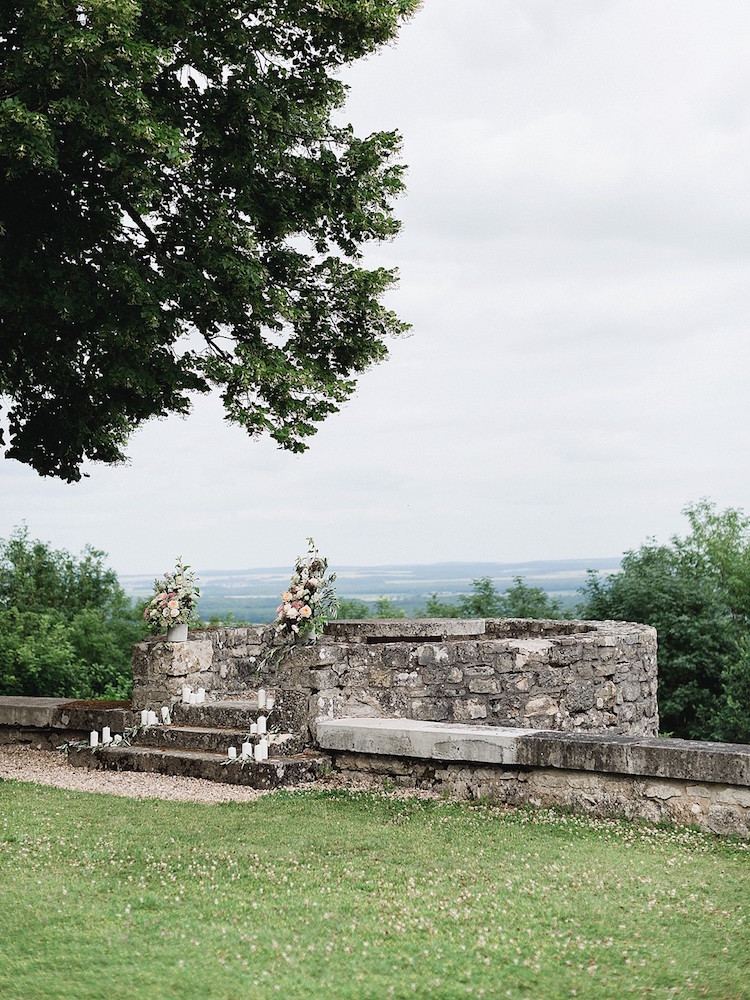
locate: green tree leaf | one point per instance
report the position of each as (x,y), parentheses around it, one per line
(181,211)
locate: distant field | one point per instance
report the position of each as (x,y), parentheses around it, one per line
(253,594)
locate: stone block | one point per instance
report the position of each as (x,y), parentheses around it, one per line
(541,705)
(380,676)
(468,710)
(479,670)
(430,709)
(483,685)
(580,697)
(431,654)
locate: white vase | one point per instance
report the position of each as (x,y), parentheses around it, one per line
(177,633)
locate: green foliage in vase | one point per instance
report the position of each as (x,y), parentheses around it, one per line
(66,626)
(695,591)
(181,210)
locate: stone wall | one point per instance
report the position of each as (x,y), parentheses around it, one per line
(718,808)
(569,676)
(685,781)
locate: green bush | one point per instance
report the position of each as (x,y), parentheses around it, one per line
(66,625)
(696,592)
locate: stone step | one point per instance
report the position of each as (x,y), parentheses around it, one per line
(236,714)
(214,739)
(276,772)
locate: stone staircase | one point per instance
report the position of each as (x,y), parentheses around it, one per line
(196,745)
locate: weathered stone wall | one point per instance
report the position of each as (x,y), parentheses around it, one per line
(719,808)
(570,676)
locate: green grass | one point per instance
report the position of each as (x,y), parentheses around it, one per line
(335,895)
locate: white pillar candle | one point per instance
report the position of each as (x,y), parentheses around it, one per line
(93,738)
(247,750)
(106,735)
(144,717)
(232,753)
(270,702)
(193,698)
(261,725)
(151,718)
(263,744)
(186,689)
(258,752)
(201,696)
(253,729)
(261,697)
(165,716)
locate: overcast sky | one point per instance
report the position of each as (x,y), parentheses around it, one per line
(575,261)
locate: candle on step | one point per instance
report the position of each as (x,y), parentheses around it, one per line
(261,725)
(261,697)
(258,753)
(151,718)
(270,702)
(165,716)
(186,689)
(232,753)
(253,729)
(263,744)
(193,698)
(201,695)
(144,717)
(247,750)
(106,735)
(93,738)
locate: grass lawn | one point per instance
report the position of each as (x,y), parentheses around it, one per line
(338,895)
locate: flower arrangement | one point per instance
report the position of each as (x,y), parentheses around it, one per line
(174,603)
(310,600)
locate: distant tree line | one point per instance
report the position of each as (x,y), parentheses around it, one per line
(66,625)
(484,601)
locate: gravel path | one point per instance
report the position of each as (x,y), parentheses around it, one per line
(50,767)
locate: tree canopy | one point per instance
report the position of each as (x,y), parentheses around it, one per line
(181,211)
(696,592)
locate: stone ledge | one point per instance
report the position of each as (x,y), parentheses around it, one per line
(689,760)
(403,629)
(413,738)
(68,714)
(42,713)
(686,760)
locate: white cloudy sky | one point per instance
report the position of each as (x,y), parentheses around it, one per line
(575,261)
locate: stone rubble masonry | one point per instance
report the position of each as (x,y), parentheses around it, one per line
(683,781)
(591,677)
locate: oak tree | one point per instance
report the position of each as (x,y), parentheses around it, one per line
(181,209)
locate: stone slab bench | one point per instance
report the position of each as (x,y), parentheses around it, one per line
(427,740)
(707,784)
(725,763)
